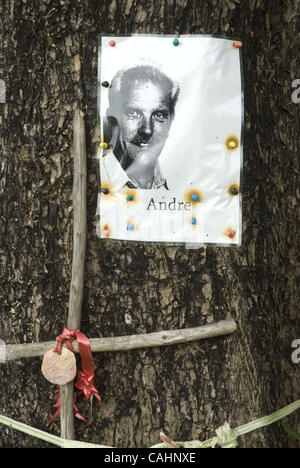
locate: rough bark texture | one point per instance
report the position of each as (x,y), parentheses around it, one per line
(48,60)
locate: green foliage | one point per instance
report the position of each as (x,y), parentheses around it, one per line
(291,431)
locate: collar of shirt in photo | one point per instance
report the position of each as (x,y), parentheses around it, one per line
(112,172)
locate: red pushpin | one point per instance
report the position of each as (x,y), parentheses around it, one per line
(112,43)
(230,233)
(237,44)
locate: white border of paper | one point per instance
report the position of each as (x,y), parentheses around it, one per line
(209,109)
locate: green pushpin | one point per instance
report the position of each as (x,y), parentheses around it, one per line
(129,197)
(176,42)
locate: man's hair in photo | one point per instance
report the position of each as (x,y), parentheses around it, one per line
(129,78)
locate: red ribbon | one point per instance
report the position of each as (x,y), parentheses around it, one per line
(86,378)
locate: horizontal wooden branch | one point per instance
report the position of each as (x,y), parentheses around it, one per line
(125,343)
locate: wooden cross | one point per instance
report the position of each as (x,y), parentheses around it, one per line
(162,338)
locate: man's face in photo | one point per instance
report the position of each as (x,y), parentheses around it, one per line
(144,121)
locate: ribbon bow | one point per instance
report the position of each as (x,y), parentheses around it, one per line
(86,378)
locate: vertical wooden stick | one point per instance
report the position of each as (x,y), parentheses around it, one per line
(78,264)
(80,224)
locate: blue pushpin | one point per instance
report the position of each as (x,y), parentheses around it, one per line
(193,221)
(195,197)
(130,227)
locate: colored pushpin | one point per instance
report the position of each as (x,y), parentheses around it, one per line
(193,196)
(193,221)
(230,233)
(112,43)
(105,84)
(130,227)
(106,230)
(105,191)
(176,42)
(232,144)
(103,145)
(129,197)
(237,44)
(234,191)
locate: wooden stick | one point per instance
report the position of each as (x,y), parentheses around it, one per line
(167,440)
(125,343)
(80,223)
(78,263)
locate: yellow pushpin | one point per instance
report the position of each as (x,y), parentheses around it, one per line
(232,144)
(103,145)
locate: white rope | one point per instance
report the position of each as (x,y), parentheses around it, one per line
(225,438)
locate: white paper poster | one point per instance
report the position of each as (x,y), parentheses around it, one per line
(170,157)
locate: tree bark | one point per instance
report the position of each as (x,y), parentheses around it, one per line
(127,342)
(48,61)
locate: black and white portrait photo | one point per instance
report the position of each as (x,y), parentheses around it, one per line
(170,123)
(142,102)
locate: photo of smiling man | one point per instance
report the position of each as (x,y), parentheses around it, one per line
(141,109)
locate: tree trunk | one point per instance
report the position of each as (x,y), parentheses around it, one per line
(48,60)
